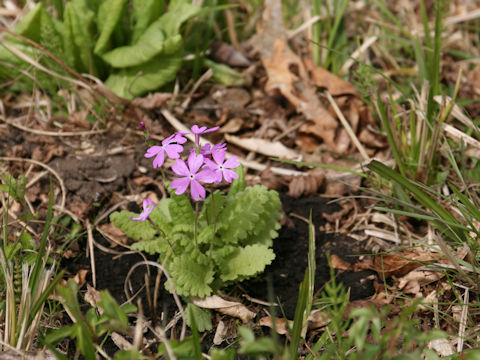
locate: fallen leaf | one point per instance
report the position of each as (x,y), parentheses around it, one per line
(264,147)
(226,307)
(338,263)
(232,126)
(318,319)
(153,101)
(325,79)
(306,184)
(443,347)
(220,333)
(227,54)
(92,296)
(280,324)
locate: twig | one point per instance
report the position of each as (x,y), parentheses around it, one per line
(91,252)
(347,127)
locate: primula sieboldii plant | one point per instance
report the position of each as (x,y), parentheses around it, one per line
(204,248)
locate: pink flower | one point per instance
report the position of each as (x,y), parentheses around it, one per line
(169,147)
(207,149)
(191,176)
(179,137)
(148,206)
(197,131)
(221,168)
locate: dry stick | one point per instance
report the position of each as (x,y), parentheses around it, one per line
(52,133)
(91,252)
(172,288)
(463,318)
(205,76)
(62,185)
(347,127)
(356,54)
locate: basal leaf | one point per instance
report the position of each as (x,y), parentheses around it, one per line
(108,16)
(144,13)
(203,317)
(237,184)
(212,207)
(224,74)
(29,26)
(181,209)
(177,14)
(192,274)
(149,45)
(245,262)
(137,230)
(158,245)
(137,80)
(78,36)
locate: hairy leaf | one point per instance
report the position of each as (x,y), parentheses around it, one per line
(192,274)
(203,317)
(135,229)
(181,209)
(245,262)
(158,245)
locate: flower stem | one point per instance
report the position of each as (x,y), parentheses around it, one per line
(195,225)
(214,226)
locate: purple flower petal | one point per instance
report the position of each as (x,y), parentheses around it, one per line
(206,176)
(210,164)
(148,206)
(173,150)
(159,159)
(179,137)
(211,129)
(231,163)
(180,185)
(180,168)
(229,175)
(198,130)
(218,156)
(152,151)
(168,140)
(194,162)
(197,190)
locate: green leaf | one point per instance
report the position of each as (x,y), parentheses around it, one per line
(243,212)
(138,230)
(155,246)
(181,209)
(245,262)
(78,36)
(203,317)
(224,74)
(237,185)
(30,24)
(137,80)
(192,273)
(108,16)
(144,13)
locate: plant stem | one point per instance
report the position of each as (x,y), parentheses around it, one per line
(214,227)
(195,225)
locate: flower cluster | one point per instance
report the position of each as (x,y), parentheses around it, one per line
(205,165)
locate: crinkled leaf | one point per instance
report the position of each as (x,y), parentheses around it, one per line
(242,213)
(208,215)
(158,245)
(177,14)
(137,230)
(268,222)
(137,80)
(237,184)
(245,262)
(181,209)
(108,16)
(192,274)
(203,317)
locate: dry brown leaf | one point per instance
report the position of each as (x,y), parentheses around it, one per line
(264,147)
(397,263)
(220,333)
(92,296)
(111,230)
(339,263)
(318,319)
(153,101)
(226,307)
(325,79)
(280,324)
(232,126)
(227,54)
(306,184)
